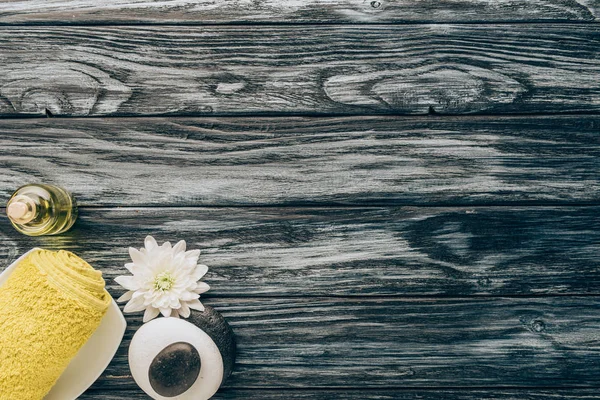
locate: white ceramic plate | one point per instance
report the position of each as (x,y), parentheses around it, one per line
(93,358)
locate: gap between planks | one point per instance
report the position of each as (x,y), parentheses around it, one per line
(305,12)
(391,393)
(290,24)
(314,115)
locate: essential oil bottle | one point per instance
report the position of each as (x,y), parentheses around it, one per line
(37,209)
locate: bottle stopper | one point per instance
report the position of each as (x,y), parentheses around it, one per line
(21,209)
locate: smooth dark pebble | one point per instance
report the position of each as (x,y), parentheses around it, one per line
(213,323)
(175,369)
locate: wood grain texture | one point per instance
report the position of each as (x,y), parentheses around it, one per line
(307,11)
(351,252)
(377,394)
(393,343)
(307,161)
(414,69)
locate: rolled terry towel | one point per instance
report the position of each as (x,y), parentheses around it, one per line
(50,305)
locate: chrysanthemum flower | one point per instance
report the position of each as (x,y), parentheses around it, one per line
(165,280)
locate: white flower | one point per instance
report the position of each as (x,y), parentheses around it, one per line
(165,280)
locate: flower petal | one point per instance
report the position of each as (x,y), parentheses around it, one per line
(174,314)
(161,302)
(166,245)
(174,303)
(179,247)
(189,296)
(166,312)
(151,313)
(125,297)
(184,311)
(128,282)
(202,288)
(192,255)
(139,293)
(180,274)
(199,272)
(195,305)
(136,256)
(130,267)
(150,243)
(135,305)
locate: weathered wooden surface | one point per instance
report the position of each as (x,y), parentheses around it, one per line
(412,69)
(485,285)
(307,11)
(292,161)
(373,394)
(352,252)
(336,343)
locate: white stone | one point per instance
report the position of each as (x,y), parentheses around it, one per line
(157,334)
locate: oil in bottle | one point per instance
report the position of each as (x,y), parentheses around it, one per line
(39,209)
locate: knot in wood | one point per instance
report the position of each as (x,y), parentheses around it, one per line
(538,326)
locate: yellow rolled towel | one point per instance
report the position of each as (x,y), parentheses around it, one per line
(50,305)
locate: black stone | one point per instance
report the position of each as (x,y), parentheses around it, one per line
(215,326)
(175,369)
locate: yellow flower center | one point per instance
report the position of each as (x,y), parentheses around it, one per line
(164,281)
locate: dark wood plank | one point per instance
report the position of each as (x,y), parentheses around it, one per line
(307,161)
(457,69)
(335,343)
(377,394)
(307,11)
(350,252)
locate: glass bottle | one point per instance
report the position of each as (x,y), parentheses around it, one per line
(37,209)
